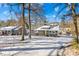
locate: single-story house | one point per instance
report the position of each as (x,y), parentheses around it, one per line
(11,30)
(48,30)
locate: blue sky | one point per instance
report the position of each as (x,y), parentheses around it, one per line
(52,10)
(49,11)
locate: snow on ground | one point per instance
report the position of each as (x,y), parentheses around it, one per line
(37,46)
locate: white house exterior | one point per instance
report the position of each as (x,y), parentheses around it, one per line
(48,30)
(11,30)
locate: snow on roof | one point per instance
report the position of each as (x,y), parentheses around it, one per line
(8,28)
(43,27)
(48,28)
(18,28)
(56,28)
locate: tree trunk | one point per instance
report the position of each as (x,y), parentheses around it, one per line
(75,22)
(23,22)
(29,20)
(76,29)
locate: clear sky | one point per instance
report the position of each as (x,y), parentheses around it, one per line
(50,11)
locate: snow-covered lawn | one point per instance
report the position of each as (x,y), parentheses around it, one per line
(37,46)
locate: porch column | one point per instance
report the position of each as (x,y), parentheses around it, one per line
(45,32)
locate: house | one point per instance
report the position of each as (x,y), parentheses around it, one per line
(48,30)
(11,30)
(7,30)
(65,29)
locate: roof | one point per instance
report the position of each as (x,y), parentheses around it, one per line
(56,28)
(43,27)
(49,28)
(8,28)
(17,28)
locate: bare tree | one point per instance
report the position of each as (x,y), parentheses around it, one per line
(29,11)
(73,14)
(74,20)
(23,22)
(33,9)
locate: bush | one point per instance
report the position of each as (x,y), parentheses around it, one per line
(75,44)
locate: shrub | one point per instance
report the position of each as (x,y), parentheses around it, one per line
(75,44)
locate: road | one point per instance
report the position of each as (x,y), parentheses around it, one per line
(37,46)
